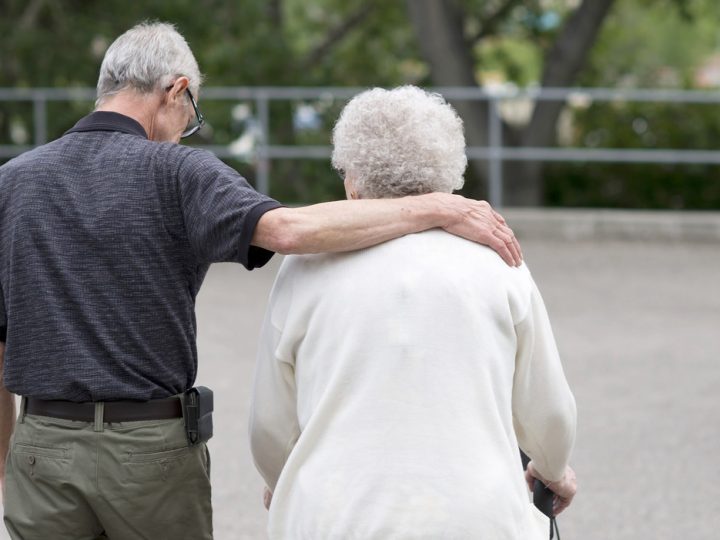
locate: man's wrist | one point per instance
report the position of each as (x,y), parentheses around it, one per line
(438,210)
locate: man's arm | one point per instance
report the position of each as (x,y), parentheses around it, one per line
(350,225)
(7,419)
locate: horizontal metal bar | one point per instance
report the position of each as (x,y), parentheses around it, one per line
(12,150)
(225,152)
(280,93)
(598,155)
(299,152)
(47,94)
(595,155)
(590,94)
(457,93)
(273,152)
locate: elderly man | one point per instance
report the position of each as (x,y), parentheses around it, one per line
(105,237)
(404,422)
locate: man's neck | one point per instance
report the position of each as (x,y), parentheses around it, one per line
(139,107)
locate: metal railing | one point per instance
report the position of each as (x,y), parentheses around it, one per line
(495,153)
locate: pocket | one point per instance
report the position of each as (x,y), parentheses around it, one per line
(43,451)
(158,465)
(158,455)
(41,462)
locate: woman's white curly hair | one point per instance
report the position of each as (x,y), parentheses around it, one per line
(398,142)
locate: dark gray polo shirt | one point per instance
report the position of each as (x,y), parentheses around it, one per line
(105,238)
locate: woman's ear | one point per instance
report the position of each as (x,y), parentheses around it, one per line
(350,191)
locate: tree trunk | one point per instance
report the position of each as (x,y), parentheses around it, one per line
(439,28)
(561,67)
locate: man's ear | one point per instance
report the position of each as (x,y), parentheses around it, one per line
(178,88)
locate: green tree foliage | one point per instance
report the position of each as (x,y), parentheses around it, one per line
(60,43)
(651,43)
(651,186)
(646,44)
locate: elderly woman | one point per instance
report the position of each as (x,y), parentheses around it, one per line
(395,384)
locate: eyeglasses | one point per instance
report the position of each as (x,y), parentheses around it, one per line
(199,120)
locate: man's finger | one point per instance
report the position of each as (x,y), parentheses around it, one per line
(505,234)
(517,246)
(513,245)
(516,254)
(498,217)
(503,250)
(505,231)
(502,226)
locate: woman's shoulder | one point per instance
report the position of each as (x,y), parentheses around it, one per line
(451,250)
(432,251)
(478,266)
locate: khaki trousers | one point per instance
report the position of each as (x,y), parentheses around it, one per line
(71,480)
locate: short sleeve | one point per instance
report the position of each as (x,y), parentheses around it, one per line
(221,211)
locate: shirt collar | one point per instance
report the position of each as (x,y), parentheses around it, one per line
(109,121)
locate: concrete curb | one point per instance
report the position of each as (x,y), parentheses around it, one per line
(628,225)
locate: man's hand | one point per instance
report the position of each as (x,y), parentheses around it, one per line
(564,489)
(477,221)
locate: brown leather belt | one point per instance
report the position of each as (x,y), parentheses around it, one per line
(114,411)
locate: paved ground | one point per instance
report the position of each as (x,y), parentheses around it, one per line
(638,325)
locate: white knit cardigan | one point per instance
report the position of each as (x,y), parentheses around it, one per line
(393,388)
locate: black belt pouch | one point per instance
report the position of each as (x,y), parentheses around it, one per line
(198,409)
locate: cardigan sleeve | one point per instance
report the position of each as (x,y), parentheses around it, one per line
(544,412)
(274,427)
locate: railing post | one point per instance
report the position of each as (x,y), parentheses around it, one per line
(39,118)
(261,151)
(495,143)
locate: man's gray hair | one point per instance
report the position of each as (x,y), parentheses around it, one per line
(149,56)
(398,142)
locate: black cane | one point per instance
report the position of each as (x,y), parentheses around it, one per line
(542,498)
